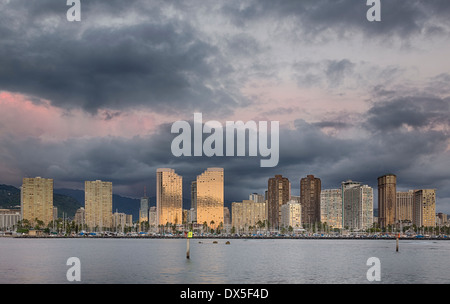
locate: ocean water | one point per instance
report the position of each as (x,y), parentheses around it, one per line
(267,261)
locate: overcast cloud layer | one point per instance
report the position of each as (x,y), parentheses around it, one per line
(355,99)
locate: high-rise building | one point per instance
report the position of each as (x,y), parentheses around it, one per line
(98,204)
(257,198)
(357,201)
(331,207)
(79,217)
(186,216)
(152,218)
(55,213)
(226,216)
(291,215)
(237,216)
(9,218)
(310,188)
(120,221)
(247,213)
(295,198)
(209,197)
(278,194)
(404,205)
(143,210)
(424,212)
(169,197)
(37,200)
(441,218)
(194,202)
(387,198)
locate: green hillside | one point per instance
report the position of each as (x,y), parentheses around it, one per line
(10,198)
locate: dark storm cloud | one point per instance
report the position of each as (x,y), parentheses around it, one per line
(400,19)
(439,84)
(304,149)
(412,111)
(325,73)
(337,70)
(158,63)
(164,62)
(332,124)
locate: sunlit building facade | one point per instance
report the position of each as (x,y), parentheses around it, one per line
(331,207)
(405,206)
(247,213)
(169,197)
(37,200)
(387,199)
(209,198)
(291,215)
(98,205)
(424,212)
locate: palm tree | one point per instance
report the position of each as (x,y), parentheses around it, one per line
(220,228)
(211,225)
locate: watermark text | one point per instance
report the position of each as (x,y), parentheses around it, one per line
(213,145)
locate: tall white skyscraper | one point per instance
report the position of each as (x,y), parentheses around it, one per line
(357,206)
(331,207)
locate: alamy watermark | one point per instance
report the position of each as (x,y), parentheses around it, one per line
(373,14)
(213,145)
(74,12)
(73,274)
(374,272)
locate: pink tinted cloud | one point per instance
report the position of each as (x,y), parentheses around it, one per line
(20,116)
(287,102)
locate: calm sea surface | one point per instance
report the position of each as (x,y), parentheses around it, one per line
(154,261)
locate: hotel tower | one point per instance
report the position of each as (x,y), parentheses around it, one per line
(209,197)
(278,194)
(387,200)
(36,200)
(98,204)
(310,188)
(169,197)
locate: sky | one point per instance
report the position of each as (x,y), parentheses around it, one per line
(96,99)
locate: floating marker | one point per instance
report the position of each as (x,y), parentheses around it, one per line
(189,235)
(187,249)
(398,235)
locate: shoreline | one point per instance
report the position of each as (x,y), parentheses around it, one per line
(237,237)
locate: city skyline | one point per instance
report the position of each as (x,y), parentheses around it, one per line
(95,99)
(174,182)
(279,209)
